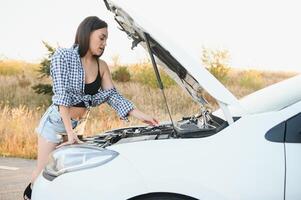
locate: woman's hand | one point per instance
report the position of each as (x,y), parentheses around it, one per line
(72,139)
(144,117)
(150,121)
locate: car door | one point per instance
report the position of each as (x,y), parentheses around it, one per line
(293,158)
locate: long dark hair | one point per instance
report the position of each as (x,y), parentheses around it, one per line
(82,37)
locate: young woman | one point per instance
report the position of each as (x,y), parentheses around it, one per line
(80,81)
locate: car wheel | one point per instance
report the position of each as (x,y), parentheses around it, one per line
(162,196)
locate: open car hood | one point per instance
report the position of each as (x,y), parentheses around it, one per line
(185,70)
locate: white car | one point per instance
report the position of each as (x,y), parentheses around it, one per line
(248,149)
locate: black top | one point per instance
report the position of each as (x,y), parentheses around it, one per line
(91,88)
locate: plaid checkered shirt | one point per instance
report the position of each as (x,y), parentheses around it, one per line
(68,84)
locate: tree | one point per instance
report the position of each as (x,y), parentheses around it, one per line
(44,71)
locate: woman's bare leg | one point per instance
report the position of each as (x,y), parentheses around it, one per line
(44,149)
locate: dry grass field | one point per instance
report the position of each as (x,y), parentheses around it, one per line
(21,108)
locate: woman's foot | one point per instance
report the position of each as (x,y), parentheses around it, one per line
(27,192)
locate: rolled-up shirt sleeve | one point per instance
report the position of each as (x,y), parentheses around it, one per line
(59,74)
(120,104)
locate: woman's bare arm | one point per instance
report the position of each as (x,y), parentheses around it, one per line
(72,137)
(107,83)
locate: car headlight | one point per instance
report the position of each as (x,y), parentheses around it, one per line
(76,157)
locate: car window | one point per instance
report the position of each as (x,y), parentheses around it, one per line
(276,134)
(288,131)
(293,129)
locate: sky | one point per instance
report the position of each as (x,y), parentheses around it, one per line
(261,34)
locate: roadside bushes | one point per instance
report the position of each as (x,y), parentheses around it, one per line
(16,67)
(146,76)
(142,73)
(121,74)
(216,62)
(251,79)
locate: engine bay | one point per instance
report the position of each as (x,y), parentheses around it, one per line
(188,127)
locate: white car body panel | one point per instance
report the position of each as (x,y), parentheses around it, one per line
(236,163)
(293,175)
(293,166)
(117,180)
(273,97)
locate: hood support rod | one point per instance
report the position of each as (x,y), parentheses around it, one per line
(147,37)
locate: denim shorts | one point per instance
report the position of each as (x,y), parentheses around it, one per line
(51,126)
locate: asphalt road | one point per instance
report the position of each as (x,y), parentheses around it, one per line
(14,176)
